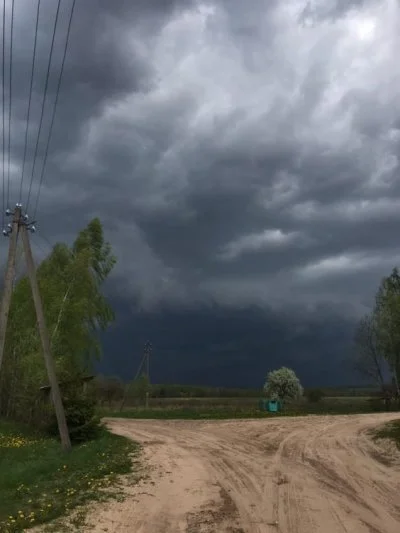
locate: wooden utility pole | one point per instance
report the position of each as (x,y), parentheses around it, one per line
(145,360)
(44,336)
(147,349)
(8,279)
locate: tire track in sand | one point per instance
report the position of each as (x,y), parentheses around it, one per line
(285,475)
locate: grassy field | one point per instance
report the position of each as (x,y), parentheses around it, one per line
(225,408)
(39,483)
(390,431)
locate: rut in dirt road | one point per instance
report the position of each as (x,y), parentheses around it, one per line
(287,475)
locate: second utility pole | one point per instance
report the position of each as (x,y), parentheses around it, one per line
(147,349)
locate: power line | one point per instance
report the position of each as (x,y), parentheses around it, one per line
(54,107)
(3,104)
(40,247)
(45,239)
(30,99)
(10,96)
(43,101)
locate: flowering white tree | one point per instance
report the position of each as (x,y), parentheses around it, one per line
(283,384)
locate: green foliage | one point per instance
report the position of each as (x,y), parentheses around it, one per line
(369,361)
(283,384)
(82,419)
(70,280)
(377,337)
(390,431)
(196,391)
(139,387)
(235,408)
(39,484)
(387,315)
(314,395)
(108,389)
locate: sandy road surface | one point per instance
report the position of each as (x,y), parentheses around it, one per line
(287,475)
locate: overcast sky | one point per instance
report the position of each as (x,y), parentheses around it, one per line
(240,151)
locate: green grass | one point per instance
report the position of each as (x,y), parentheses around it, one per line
(39,483)
(390,431)
(221,411)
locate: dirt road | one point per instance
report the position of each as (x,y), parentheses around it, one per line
(287,475)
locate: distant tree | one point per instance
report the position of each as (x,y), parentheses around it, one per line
(314,395)
(369,361)
(109,389)
(387,316)
(283,384)
(139,387)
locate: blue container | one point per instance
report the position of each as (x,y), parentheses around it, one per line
(263,405)
(273,406)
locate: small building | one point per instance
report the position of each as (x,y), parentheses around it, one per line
(273,406)
(46,389)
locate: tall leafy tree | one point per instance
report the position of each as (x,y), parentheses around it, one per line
(369,359)
(387,315)
(70,280)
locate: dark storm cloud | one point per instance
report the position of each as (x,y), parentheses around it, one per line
(97,68)
(246,153)
(225,347)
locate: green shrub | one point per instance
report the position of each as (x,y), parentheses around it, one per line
(82,419)
(375,404)
(314,395)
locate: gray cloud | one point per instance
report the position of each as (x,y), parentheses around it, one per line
(245,153)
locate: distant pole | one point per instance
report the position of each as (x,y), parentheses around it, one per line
(147,349)
(44,336)
(11,232)
(127,387)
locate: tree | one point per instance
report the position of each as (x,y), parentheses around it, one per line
(314,395)
(70,279)
(139,387)
(370,361)
(109,389)
(387,316)
(283,384)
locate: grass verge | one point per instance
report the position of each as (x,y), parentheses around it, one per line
(390,431)
(39,483)
(224,412)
